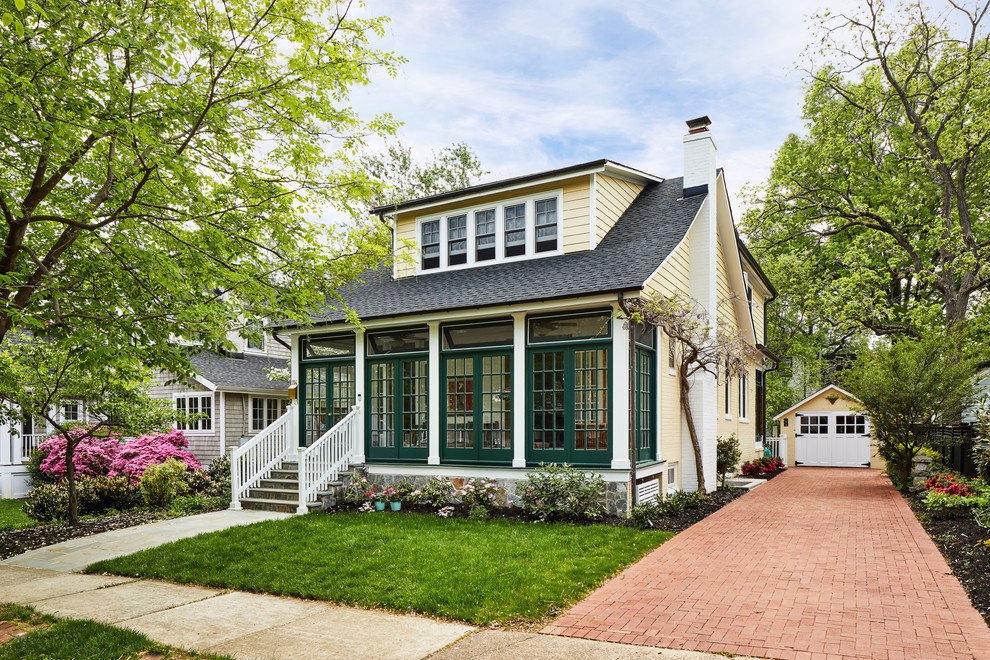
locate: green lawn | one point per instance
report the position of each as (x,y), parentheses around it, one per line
(11,516)
(475,571)
(48,637)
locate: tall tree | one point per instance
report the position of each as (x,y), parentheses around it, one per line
(880,210)
(397,176)
(159,160)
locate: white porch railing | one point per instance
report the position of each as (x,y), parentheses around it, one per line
(256,459)
(775,445)
(325,459)
(29,443)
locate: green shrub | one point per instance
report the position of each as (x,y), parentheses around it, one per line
(981,457)
(212,482)
(478,512)
(94,495)
(187,505)
(35,473)
(219,470)
(944,505)
(162,482)
(683,499)
(727,456)
(982,516)
(560,491)
(644,513)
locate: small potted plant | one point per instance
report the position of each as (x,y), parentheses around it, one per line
(392,497)
(376,496)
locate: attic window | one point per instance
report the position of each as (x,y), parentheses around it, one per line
(515,230)
(485,233)
(546,225)
(457,240)
(431,244)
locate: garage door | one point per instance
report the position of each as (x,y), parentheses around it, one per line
(836,439)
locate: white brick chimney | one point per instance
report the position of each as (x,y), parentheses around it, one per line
(699,157)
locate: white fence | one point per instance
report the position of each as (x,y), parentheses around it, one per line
(255,460)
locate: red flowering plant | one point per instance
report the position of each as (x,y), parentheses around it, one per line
(135,457)
(763,466)
(950,484)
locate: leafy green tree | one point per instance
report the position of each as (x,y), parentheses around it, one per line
(875,217)
(906,386)
(397,177)
(43,375)
(160,160)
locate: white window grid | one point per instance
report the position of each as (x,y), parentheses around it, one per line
(195,404)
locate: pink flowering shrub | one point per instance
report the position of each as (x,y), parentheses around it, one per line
(93,457)
(137,455)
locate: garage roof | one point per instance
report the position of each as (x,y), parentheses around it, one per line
(841,391)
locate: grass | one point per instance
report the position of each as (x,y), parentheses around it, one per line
(475,571)
(48,637)
(12,517)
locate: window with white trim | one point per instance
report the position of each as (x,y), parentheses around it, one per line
(515,230)
(72,412)
(457,240)
(200,405)
(431,244)
(255,343)
(484,232)
(728,394)
(265,412)
(671,477)
(743,395)
(671,358)
(546,225)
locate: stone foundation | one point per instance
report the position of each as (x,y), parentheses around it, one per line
(615,500)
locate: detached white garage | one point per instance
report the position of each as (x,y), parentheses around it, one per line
(824,431)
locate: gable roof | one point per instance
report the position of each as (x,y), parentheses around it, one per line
(648,231)
(237,374)
(841,391)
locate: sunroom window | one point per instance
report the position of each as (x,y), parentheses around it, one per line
(485,234)
(515,230)
(431,244)
(546,225)
(457,240)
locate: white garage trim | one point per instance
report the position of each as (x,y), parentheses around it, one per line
(832,439)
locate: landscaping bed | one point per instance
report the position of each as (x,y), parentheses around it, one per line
(964,544)
(16,541)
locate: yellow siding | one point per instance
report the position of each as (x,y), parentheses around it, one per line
(669,414)
(577,205)
(575,218)
(612,197)
(759,303)
(673,276)
(723,295)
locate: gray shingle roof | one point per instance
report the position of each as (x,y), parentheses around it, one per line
(635,247)
(248,373)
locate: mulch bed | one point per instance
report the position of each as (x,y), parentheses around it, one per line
(675,523)
(16,541)
(962,543)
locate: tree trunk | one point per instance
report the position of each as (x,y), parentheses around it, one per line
(689,418)
(70,480)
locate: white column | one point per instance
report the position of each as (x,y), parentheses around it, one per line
(6,440)
(620,396)
(360,396)
(519,390)
(435,393)
(661,366)
(295,376)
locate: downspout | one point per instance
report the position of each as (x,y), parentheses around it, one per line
(276,338)
(632,403)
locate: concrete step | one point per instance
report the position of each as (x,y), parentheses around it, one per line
(285,474)
(744,482)
(283,506)
(274,494)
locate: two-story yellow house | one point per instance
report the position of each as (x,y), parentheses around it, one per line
(493,341)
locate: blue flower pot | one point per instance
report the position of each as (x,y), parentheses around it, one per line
(395,505)
(380,506)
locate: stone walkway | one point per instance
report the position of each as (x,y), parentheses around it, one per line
(818,563)
(77,554)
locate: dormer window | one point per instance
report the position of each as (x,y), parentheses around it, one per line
(515,230)
(519,228)
(431,244)
(457,240)
(546,225)
(484,232)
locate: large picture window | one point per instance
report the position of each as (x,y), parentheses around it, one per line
(569,390)
(477,377)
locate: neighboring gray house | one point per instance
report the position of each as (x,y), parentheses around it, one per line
(233,390)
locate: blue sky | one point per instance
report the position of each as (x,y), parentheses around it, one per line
(532,85)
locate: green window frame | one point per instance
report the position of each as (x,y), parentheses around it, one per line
(646,398)
(476,420)
(569,404)
(328,386)
(397,387)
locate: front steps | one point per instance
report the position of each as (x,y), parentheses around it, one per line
(280,492)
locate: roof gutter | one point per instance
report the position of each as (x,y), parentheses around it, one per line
(276,338)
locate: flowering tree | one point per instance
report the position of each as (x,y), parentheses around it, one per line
(703,348)
(92,455)
(137,455)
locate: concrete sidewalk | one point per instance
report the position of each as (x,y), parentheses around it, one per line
(77,554)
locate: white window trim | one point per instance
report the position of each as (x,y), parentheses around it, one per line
(264,341)
(251,411)
(472,253)
(671,483)
(213,412)
(671,351)
(727,390)
(743,397)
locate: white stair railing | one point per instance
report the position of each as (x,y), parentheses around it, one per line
(255,460)
(324,460)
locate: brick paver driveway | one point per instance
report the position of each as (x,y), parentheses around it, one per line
(817,563)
